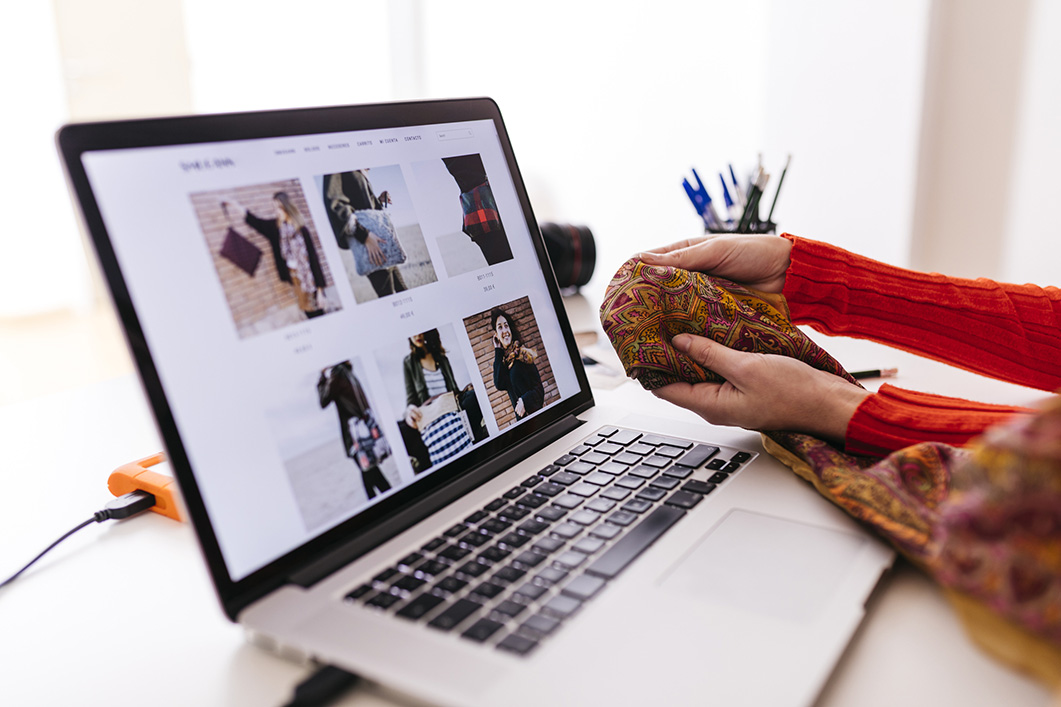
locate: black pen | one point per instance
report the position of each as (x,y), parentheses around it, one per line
(875,373)
(770,216)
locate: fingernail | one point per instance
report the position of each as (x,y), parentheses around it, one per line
(681,342)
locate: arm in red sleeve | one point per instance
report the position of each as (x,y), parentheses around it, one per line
(1009,332)
(895,418)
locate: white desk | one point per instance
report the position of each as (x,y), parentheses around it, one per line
(123,613)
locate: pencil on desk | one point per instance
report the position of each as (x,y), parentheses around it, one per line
(875,373)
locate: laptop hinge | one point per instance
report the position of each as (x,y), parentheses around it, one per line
(435,500)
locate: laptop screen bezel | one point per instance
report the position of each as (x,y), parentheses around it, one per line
(365,530)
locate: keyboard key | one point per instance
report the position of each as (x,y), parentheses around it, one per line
(579,467)
(531,592)
(584,587)
(451,585)
(630,482)
(565,460)
(609,448)
(700,487)
(386,575)
(561,606)
(494,505)
(645,472)
(718,477)
(533,527)
(588,545)
(664,482)
(598,478)
(410,559)
(584,517)
(581,449)
(549,576)
(637,540)
(570,560)
(383,600)
(549,489)
(359,592)
(475,517)
(455,614)
(636,506)
(567,530)
(514,643)
(494,554)
(510,608)
(601,505)
(606,531)
(583,489)
(419,607)
(548,470)
(473,569)
(650,494)
(539,624)
(433,545)
(684,499)
(565,478)
(432,568)
(508,575)
(731,467)
(640,449)
(514,540)
(532,481)
(514,513)
(607,431)
(529,558)
(613,467)
(409,583)
(625,437)
(670,452)
(548,545)
(657,440)
(716,464)
(551,514)
(482,630)
(475,539)
(454,553)
(741,457)
(488,590)
(514,492)
(615,493)
(697,456)
(657,461)
(678,472)
(568,501)
(532,500)
(495,525)
(594,458)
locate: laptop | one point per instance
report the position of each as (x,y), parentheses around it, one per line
(347,326)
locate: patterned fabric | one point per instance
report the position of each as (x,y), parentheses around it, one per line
(480,211)
(293,248)
(447,436)
(646,306)
(378,223)
(984,522)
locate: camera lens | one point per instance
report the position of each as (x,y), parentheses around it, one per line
(572,251)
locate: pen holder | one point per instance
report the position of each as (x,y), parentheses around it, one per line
(755,227)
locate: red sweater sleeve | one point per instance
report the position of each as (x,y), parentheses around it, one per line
(1010,332)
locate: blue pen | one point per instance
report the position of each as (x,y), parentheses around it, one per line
(702,202)
(731,208)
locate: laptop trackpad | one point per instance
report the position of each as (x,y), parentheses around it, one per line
(766,565)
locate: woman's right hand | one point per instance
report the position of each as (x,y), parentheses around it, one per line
(413,417)
(759,262)
(375,253)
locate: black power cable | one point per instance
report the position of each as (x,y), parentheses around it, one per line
(121,507)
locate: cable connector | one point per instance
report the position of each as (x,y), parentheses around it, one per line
(124,506)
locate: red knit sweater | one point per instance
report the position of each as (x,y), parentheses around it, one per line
(1009,332)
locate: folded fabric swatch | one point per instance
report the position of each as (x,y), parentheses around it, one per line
(984,521)
(646,306)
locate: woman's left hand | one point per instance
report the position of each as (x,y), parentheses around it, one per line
(764,391)
(375,253)
(521,409)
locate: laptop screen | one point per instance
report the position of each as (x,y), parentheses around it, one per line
(333,316)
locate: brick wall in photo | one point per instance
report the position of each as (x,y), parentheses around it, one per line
(257,298)
(481,336)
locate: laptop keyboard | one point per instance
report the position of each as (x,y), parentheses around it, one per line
(514,571)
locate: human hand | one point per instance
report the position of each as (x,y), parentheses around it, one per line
(385,198)
(351,225)
(521,409)
(764,391)
(375,253)
(413,417)
(759,262)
